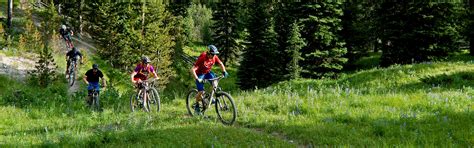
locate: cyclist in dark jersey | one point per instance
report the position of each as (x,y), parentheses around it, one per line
(71,56)
(91,78)
(66,34)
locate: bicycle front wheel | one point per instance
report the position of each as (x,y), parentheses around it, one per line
(153,100)
(134,104)
(191,102)
(225,108)
(95,101)
(72,74)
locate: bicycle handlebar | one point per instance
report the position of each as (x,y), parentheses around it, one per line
(216,78)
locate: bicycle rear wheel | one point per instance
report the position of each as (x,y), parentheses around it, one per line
(225,108)
(153,100)
(191,102)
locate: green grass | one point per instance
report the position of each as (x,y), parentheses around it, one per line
(427,104)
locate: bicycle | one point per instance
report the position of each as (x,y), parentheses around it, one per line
(93,100)
(223,101)
(72,71)
(69,44)
(150,102)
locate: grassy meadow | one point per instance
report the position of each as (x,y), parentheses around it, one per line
(427,104)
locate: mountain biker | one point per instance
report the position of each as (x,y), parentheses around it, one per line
(202,70)
(142,71)
(91,78)
(66,34)
(71,56)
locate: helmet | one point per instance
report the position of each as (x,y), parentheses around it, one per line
(74,49)
(63,27)
(213,49)
(145,59)
(95,66)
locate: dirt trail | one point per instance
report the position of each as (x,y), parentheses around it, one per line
(87,49)
(15,67)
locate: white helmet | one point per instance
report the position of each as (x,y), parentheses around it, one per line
(63,27)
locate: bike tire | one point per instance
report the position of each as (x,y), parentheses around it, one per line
(190,101)
(223,100)
(96,101)
(153,100)
(72,74)
(144,104)
(134,102)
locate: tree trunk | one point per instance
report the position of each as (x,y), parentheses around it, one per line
(143,19)
(471,36)
(10,13)
(81,7)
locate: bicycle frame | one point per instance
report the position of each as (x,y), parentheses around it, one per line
(214,89)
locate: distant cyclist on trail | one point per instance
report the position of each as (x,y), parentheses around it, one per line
(202,69)
(71,56)
(91,78)
(142,71)
(66,34)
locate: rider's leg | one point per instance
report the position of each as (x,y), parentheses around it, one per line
(67,67)
(200,88)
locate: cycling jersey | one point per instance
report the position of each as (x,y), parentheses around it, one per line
(64,32)
(73,54)
(205,64)
(143,71)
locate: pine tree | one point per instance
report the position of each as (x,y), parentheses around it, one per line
(226,34)
(324,53)
(417,31)
(286,14)
(159,41)
(258,66)
(45,68)
(294,44)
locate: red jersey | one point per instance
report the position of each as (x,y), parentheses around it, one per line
(205,64)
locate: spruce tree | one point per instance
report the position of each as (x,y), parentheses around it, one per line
(294,44)
(417,31)
(45,68)
(226,34)
(258,66)
(324,53)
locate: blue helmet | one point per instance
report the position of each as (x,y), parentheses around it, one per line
(213,49)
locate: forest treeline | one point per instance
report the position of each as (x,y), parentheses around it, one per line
(267,41)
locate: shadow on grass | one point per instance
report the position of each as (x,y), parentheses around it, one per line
(156,135)
(458,80)
(445,128)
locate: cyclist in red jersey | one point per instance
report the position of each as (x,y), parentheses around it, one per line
(202,69)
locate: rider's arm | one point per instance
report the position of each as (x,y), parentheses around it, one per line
(193,72)
(133,75)
(103,79)
(220,64)
(85,79)
(199,61)
(82,59)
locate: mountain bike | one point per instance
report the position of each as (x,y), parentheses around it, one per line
(147,97)
(223,102)
(93,100)
(72,71)
(69,44)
